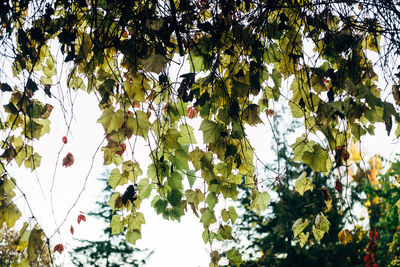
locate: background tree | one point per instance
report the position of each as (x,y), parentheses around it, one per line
(110,250)
(240,54)
(265,239)
(383,204)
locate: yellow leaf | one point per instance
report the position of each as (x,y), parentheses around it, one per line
(35,244)
(299,226)
(318,233)
(345,237)
(9,214)
(322,223)
(303,238)
(303,184)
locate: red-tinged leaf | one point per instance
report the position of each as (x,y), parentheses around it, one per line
(269,112)
(192,112)
(373,234)
(72,230)
(338,186)
(68,160)
(59,248)
(81,217)
(375,265)
(121,150)
(64,140)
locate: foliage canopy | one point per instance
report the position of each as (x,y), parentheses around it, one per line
(241,55)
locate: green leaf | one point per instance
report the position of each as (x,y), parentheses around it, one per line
(136,87)
(300,146)
(211,200)
(195,157)
(111,121)
(211,131)
(234,257)
(237,131)
(180,159)
(174,197)
(117,226)
(232,214)
(322,223)
(135,221)
(260,200)
(171,139)
(145,188)
(194,197)
(251,114)
(191,176)
(175,181)
(299,226)
(186,135)
(225,231)
(116,178)
(318,233)
(318,160)
(133,236)
(33,161)
(155,63)
(208,217)
(9,214)
(196,63)
(141,124)
(303,184)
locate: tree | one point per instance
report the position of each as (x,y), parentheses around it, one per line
(383,203)
(264,238)
(111,250)
(240,54)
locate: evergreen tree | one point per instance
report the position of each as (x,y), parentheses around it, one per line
(271,233)
(110,250)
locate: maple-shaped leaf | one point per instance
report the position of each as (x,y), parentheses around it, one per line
(303,184)
(155,63)
(234,257)
(144,188)
(136,87)
(299,226)
(251,114)
(59,248)
(318,233)
(111,121)
(81,217)
(135,221)
(211,131)
(321,222)
(345,237)
(318,159)
(72,230)
(140,125)
(117,226)
(9,214)
(260,200)
(35,244)
(303,238)
(33,161)
(133,236)
(194,197)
